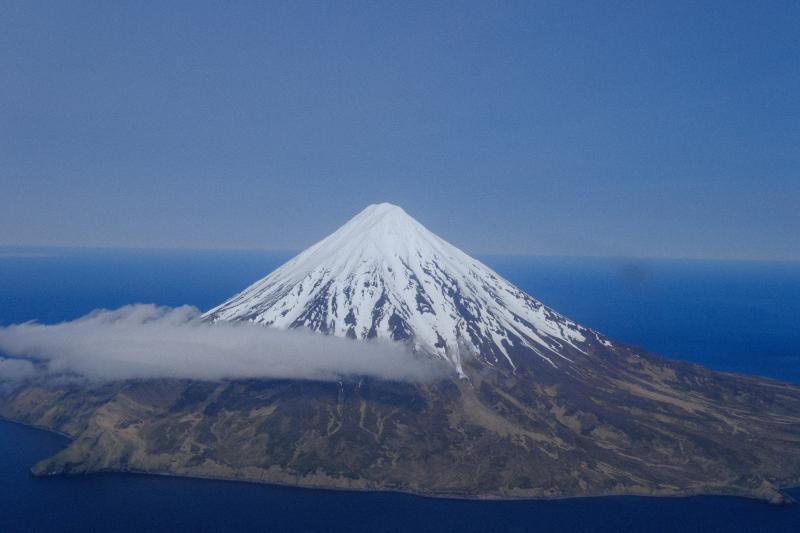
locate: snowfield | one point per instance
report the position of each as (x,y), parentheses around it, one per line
(385,275)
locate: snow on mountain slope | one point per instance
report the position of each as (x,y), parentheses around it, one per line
(384,275)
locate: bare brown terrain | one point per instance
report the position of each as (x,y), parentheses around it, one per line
(617,422)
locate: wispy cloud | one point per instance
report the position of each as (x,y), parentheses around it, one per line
(146,341)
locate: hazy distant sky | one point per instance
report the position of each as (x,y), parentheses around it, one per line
(598,128)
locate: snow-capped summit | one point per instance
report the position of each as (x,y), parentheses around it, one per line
(385,275)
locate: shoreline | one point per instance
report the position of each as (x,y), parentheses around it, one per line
(788,498)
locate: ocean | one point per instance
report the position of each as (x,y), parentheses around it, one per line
(730,316)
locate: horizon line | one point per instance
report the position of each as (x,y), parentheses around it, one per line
(296,251)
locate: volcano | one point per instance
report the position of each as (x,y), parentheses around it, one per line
(534,406)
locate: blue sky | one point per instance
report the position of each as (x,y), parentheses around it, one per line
(667,129)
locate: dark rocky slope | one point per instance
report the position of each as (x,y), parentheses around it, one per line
(618,422)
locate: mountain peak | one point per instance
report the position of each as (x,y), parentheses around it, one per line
(383,214)
(384,275)
(386,217)
(383,208)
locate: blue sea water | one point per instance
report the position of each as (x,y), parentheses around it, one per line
(733,316)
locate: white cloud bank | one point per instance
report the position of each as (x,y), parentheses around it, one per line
(146,341)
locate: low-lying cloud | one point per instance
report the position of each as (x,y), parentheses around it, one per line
(147,341)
